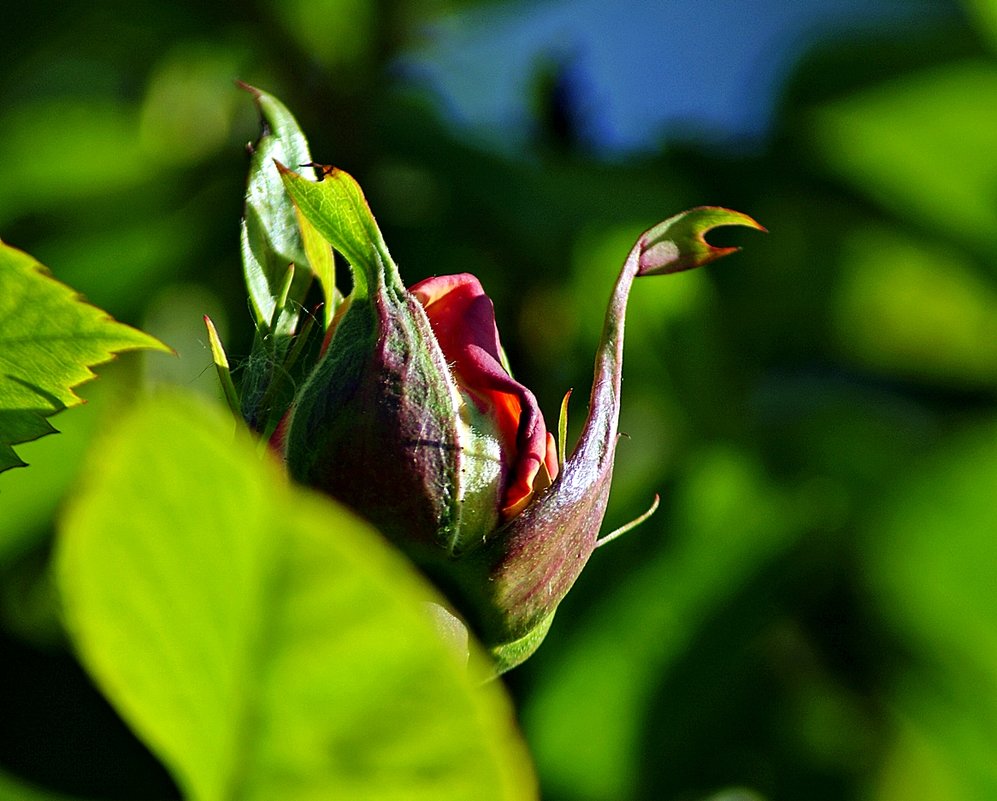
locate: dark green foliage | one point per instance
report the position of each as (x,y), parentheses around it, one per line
(809,613)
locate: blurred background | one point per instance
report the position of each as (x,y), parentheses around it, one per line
(812,613)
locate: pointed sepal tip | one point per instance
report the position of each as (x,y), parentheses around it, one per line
(679,243)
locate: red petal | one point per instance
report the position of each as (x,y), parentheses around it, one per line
(463,319)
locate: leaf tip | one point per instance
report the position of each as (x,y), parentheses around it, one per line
(220,359)
(256,93)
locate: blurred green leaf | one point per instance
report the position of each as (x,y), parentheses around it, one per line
(943,745)
(585,718)
(735,795)
(985,14)
(916,309)
(933,554)
(336,33)
(49,340)
(102,135)
(264,642)
(118,265)
(931,558)
(187,112)
(923,145)
(916,767)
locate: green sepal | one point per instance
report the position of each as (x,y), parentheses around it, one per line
(281,255)
(510,654)
(271,238)
(222,368)
(376,423)
(338,210)
(679,243)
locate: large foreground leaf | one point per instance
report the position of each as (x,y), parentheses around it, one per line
(49,340)
(264,642)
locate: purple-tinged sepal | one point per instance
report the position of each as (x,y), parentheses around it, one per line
(409,416)
(536,558)
(374,425)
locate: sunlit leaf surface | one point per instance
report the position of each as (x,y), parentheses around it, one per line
(263,642)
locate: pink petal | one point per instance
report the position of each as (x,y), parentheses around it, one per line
(463,319)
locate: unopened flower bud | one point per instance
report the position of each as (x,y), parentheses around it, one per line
(411,418)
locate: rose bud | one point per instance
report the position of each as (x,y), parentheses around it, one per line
(411,418)
(384,422)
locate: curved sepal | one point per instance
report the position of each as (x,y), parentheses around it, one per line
(533,562)
(508,655)
(337,208)
(679,243)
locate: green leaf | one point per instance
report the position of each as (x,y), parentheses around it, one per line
(265,643)
(984,14)
(49,340)
(336,206)
(915,308)
(934,548)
